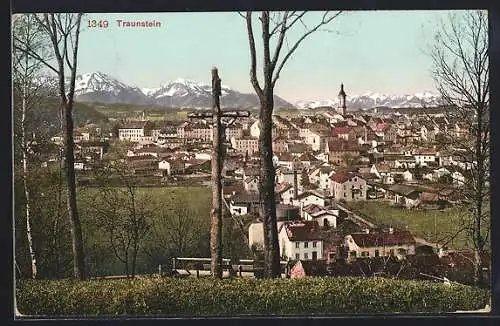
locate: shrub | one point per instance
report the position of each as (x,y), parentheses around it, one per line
(208,297)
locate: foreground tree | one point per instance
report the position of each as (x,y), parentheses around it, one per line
(275,26)
(63,31)
(461,73)
(25,71)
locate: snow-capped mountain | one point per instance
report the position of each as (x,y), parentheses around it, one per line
(100,87)
(372,99)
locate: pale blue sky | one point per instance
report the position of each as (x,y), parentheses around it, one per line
(380,51)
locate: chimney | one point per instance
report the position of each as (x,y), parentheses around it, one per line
(295,184)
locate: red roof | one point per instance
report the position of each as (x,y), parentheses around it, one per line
(281,187)
(312,208)
(303,231)
(425,151)
(381,126)
(341,130)
(383,239)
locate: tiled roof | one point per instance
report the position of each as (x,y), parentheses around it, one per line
(341,177)
(402,189)
(342,146)
(341,130)
(303,231)
(383,239)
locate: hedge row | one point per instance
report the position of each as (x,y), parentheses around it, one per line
(207,297)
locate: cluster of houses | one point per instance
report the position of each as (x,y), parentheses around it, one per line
(321,160)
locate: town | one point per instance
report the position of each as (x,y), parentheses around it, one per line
(325,162)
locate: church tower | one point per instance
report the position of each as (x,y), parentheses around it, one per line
(342,96)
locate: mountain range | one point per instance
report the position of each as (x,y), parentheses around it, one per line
(372,99)
(100,87)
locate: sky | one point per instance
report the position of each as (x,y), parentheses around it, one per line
(378,51)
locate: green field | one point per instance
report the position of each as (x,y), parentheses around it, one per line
(432,225)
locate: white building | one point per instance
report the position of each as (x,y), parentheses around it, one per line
(369,244)
(301,240)
(348,186)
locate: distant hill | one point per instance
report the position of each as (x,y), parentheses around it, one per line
(180,93)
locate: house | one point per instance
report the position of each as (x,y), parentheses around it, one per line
(377,244)
(289,161)
(321,176)
(246,145)
(403,195)
(346,133)
(307,159)
(326,218)
(165,165)
(380,170)
(391,134)
(280,144)
(244,203)
(135,130)
(341,152)
(424,157)
(304,268)
(316,197)
(286,192)
(234,130)
(297,149)
(301,240)
(348,186)
(200,130)
(285,175)
(251,184)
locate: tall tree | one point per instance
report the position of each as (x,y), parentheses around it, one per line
(275,27)
(461,73)
(24,72)
(29,92)
(63,32)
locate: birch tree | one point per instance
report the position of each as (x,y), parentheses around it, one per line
(461,73)
(275,29)
(27,90)
(63,31)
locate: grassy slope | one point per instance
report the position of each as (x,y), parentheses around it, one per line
(422,223)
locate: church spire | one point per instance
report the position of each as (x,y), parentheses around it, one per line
(342,97)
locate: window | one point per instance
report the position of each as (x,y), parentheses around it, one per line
(306,244)
(306,255)
(314,255)
(365,254)
(297,245)
(314,244)
(297,256)
(377,253)
(391,252)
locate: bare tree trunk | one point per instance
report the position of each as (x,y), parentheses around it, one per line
(267,177)
(478,211)
(282,22)
(25,183)
(216,225)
